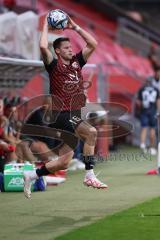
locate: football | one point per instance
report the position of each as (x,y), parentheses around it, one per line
(57,19)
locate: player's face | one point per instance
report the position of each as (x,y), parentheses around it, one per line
(65,50)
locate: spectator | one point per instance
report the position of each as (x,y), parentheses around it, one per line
(7,141)
(148,99)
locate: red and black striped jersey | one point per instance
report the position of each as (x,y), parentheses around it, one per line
(66,82)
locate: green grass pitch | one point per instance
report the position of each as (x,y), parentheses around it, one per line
(70,206)
(140,222)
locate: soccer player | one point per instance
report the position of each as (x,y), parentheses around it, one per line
(66,88)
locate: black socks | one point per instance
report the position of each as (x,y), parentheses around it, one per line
(43,171)
(89,162)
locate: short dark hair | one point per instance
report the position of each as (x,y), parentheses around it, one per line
(58,41)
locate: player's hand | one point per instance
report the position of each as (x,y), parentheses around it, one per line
(46,23)
(71,24)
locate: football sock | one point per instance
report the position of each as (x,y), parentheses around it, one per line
(89,162)
(43,171)
(89,173)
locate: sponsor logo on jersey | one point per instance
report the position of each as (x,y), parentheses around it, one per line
(75,65)
(73,78)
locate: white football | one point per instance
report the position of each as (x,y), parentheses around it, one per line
(57,19)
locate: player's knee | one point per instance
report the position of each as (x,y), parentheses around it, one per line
(64,165)
(41,147)
(92,135)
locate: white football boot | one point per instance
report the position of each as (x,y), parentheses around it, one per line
(29,178)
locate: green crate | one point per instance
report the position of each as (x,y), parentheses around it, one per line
(13,176)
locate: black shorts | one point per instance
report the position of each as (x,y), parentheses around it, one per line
(66,120)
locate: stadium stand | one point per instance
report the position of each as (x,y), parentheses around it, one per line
(148,10)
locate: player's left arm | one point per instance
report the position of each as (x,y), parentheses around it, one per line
(91,42)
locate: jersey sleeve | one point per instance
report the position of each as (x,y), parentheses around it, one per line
(80,59)
(50,66)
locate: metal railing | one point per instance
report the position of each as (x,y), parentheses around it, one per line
(135,36)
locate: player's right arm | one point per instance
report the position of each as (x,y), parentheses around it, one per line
(46,53)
